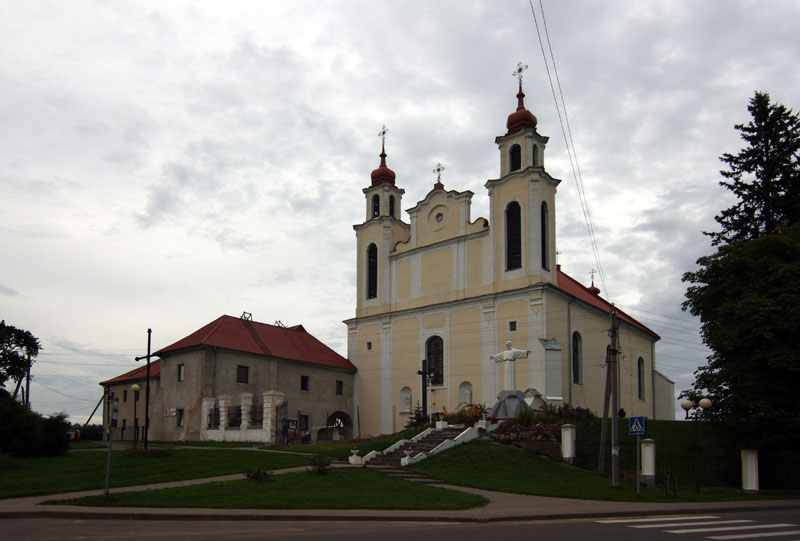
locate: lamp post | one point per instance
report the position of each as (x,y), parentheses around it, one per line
(135,388)
(687,405)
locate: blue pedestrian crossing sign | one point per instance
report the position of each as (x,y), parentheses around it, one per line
(637,426)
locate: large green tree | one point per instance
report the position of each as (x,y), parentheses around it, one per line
(747,293)
(765,175)
(18,349)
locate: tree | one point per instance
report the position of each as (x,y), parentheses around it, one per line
(747,296)
(18,349)
(765,175)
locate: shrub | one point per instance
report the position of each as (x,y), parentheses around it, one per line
(26,433)
(320,464)
(262,476)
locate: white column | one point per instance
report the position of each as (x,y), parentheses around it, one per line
(272,401)
(750,471)
(245,400)
(649,462)
(568,436)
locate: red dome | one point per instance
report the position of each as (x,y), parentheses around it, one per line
(382,174)
(521,118)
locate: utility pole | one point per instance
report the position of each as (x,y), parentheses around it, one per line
(613,367)
(424,373)
(147,389)
(601,463)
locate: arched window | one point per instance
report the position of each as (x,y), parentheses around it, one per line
(513,236)
(514,158)
(376,206)
(545,230)
(372,271)
(535,155)
(577,358)
(391,206)
(640,374)
(434,351)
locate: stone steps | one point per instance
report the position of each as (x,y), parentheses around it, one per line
(426,444)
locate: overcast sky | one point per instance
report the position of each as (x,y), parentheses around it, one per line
(164,163)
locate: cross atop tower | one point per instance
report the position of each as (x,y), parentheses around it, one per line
(592,273)
(382,133)
(438,170)
(518,72)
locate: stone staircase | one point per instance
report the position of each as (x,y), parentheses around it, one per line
(412,448)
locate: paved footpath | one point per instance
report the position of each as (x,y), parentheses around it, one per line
(502,507)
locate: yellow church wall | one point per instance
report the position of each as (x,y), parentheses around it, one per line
(474,263)
(406,361)
(404,278)
(433,321)
(369,374)
(465,353)
(437,271)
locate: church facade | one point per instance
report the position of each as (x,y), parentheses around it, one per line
(449,290)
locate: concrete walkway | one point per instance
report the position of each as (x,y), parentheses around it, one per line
(502,507)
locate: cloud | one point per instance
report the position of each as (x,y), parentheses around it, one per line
(5,290)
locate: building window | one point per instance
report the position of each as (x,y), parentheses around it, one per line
(512,326)
(535,155)
(339,387)
(302,423)
(242,374)
(514,158)
(125,395)
(434,349)
(391,206)
(180,372)
(179,416)
(577,358)
(545,230)
(135,396)
(303,383)
(372,271)
(376,206)
(640,373)
(369,346)
(513,236)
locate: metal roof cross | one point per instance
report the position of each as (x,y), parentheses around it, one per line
(438,170)
(518,72)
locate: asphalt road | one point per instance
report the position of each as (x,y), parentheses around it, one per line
(781,525)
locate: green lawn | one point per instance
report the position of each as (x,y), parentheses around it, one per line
(340,488)
(505,468)
(84,470)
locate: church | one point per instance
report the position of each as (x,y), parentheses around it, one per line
(445,292)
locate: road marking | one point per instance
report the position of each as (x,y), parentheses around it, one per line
(703,523)
(656,519)
(755,527)
(756,535)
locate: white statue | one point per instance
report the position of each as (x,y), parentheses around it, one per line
(509,356)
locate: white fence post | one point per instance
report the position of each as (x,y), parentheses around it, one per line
(750,471)
(568,434)
(649,462)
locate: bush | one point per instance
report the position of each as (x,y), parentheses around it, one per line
(262,476)
(26,433)
(320,464)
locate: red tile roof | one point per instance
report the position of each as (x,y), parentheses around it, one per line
(238,334)
(581,292)
(137,373)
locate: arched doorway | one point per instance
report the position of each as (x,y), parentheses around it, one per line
(339,426)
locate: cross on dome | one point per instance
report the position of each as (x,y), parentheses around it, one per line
(382,133)
(518,72)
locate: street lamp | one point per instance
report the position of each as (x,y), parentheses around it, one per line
(135,388)
(687,405)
